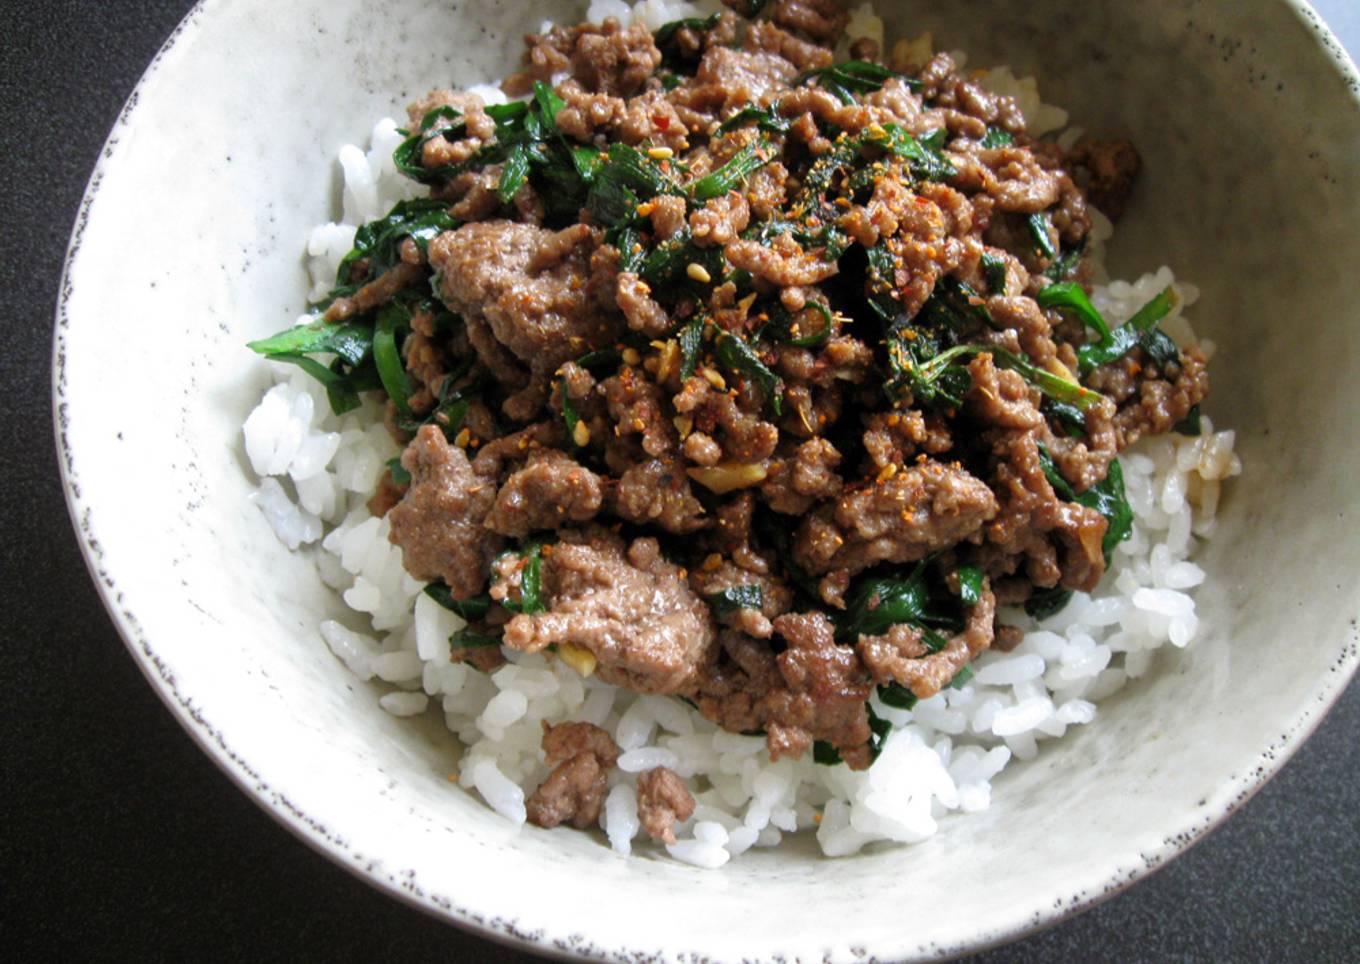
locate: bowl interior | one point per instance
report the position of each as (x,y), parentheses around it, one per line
(1249,127)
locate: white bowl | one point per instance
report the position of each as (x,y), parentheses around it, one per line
(188,244)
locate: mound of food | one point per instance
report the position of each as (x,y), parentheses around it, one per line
(729,371)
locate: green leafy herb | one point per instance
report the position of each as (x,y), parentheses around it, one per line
(881,281)
(570,417)
(766,118)
(1068,296)
(469,609)
(925,157)
(421,219)
(961,678)
(599,357)
(819,176)
(943,378)
(514,173)
(961,301)
(781,328)
(468,638)
(897,696)
(852,77)
(393,320)
(626,178)
(1069,418)
(1106,497)
(881,601)
(667,264)
(691,340)
(994,270)
(737,356)
(970,584)
(1066,264)
(740,166)
(1159,348)
(1038,232)
(728,601)
(879,729)
(997,137)
(530,579)
(352,342)
(1125,337)
(1043,603)
(452,406)
(509,113)
(341,387)
(1190,425)
(398,471)
(667,31)
(825,754)
(1110,345)
(548,104)
(407,156)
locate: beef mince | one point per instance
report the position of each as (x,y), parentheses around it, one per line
(711,351)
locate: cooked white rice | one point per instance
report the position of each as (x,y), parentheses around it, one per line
(317,471)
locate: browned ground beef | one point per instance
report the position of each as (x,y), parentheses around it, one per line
(580,755)
(682,425)
(663,800)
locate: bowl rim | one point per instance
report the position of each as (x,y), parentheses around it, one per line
(405,887)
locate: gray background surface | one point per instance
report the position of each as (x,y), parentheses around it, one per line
(121,841)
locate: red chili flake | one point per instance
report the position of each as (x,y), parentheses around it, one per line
(661,121)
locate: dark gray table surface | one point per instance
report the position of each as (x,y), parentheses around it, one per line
(120,840)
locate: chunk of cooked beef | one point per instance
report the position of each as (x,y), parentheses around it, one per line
(580,755)
(657,492)
(477,128)
(813,690)
(900,654)
(822,20)
(794,485)
(663,801)
(917,511)
(727,582)
(1109,170)
(534,288)
(439,523)
(388,494)
(614,60)
(551,490)
(632,610)
(377,292)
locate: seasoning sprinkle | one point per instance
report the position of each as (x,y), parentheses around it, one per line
(698,273)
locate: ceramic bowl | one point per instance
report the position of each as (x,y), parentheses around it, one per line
(188,244)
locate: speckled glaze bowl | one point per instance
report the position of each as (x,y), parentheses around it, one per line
(188,244)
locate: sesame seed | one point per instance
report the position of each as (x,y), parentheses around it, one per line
(698,273)
(631,356)
(581,435)
(462,438)
(660,153)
